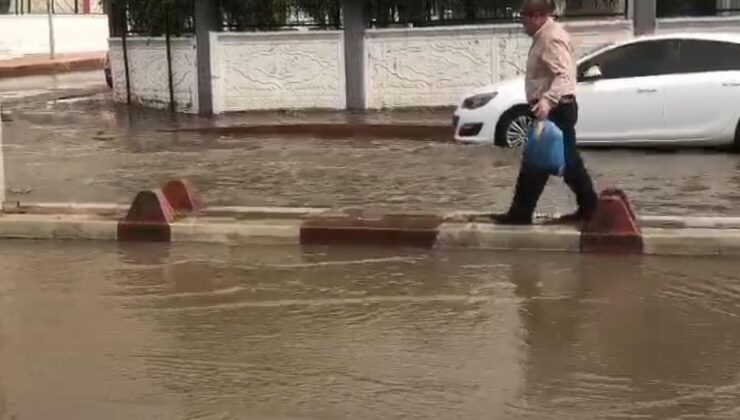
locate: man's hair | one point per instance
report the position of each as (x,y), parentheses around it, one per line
(542,6)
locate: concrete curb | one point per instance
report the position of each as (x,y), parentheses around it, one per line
(282,230)
(51,66)
(692,241)
(492,237)
(177,213)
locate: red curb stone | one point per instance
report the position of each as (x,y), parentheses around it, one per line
(338,130)
(148,219)
(42,64)
(614,227)
(182,196)
(355,227)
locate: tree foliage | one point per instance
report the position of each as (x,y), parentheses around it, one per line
(151,17)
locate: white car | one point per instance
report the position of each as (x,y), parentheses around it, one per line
(648,91)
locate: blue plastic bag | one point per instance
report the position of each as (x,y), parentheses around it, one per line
(544,149)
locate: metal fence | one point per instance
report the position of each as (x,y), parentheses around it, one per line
(697,8)
(169,19)
(154,19)
(59,7)
(271,15)
(388,13)
(281,15)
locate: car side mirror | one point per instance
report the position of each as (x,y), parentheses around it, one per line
(593,72)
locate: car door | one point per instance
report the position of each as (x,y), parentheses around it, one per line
(624,102)
(703,98)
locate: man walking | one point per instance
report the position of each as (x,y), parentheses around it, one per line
(550,84)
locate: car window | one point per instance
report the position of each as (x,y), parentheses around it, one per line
(641,59)
(703,56)
(598,47)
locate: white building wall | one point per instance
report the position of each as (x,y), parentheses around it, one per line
(29,34)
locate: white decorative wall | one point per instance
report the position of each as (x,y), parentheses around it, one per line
(29,34)
(435,66)
(413,67)
(149,79)
(278,70)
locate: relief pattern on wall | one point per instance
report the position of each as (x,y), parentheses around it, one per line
(149,79)
(411,68)
(425,71)
(272,72)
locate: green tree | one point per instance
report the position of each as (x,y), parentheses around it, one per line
(247,15)
(322,12)
(149,17)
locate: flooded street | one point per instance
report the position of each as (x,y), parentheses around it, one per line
(88,149)
(191,332)
(109,331)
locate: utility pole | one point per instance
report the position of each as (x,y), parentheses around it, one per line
(2,164)
(51,28)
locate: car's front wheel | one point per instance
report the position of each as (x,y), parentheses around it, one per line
(512,128)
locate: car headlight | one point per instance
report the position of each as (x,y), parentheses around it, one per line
(478,101)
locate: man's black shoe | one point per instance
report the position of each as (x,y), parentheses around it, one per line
(508,219)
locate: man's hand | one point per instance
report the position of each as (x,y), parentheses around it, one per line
(542,109)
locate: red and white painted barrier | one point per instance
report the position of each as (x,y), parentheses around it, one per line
(613,229)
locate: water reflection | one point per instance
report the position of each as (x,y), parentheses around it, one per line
(327,335)
(228,332)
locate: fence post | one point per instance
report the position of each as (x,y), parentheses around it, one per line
(2,163)
(645,16)
(168,46)
(207,19)
(124,33)
(353,17)
(50,15)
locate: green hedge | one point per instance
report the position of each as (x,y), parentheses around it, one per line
(147,17)
(244,15)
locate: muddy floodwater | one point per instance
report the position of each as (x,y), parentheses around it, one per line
(102,331)
(82,147)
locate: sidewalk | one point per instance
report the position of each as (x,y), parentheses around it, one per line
(32,65)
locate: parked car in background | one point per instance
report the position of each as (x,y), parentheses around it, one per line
(676,89)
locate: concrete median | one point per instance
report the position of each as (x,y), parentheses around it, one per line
(177,213)
(257,226)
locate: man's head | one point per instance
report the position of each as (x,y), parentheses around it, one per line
(535,13)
